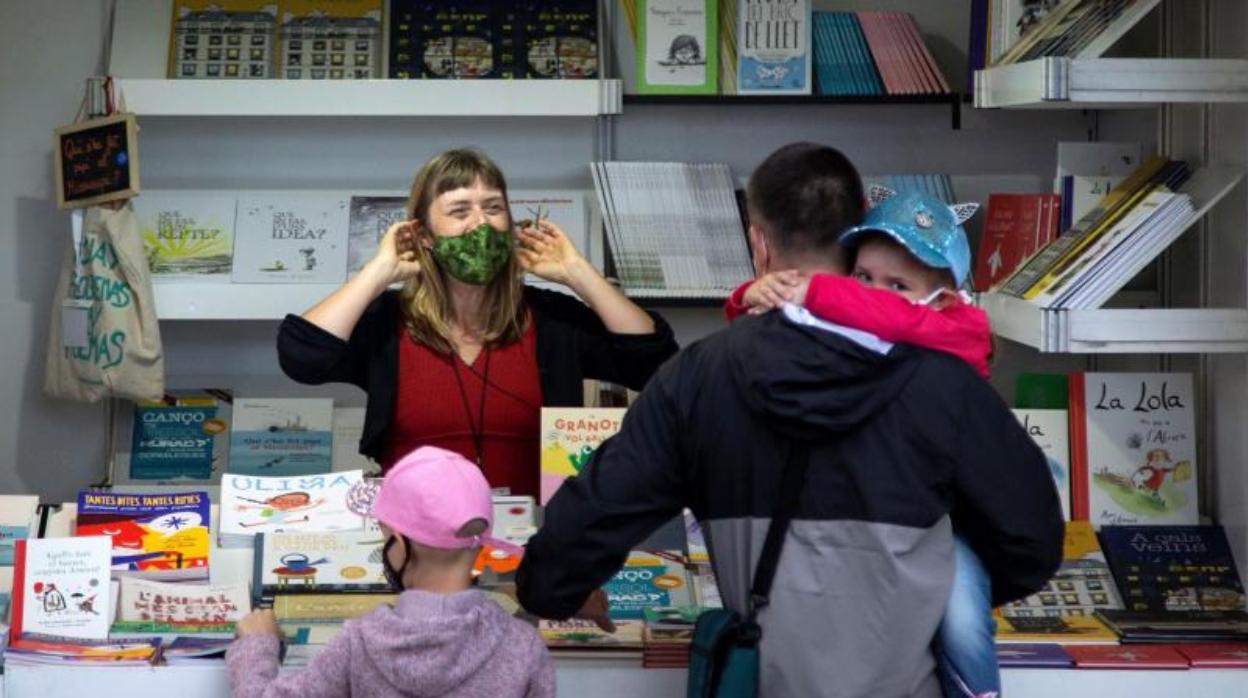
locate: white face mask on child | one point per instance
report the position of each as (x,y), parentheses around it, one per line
(929,298)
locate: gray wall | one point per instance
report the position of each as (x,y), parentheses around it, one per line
(54,447)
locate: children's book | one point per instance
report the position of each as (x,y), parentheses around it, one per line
(1133,448)
(1177,626)
(1081,586)
(41,649)
(19,515)
(251,504)
(1215,655)
(326,608)
(569,437)
(310,562)
(200,605)
(183,436)
(194,650)
(291,237)
(61,587)
(282,436)
(1033,655)
(774,47)
(369,219)
(157,536)
(678,47)
(648,579)
(1173,568)
(1016,227)
(575,633)
(330,39)
(223,39)
(515,518)
(557,39)
(1048,428)
(187,235)
(1133,657)
(1068,630)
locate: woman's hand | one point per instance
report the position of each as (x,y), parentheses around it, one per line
(258,622)
(395,260)
(545,251)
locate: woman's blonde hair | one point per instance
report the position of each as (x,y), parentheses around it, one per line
(424,299)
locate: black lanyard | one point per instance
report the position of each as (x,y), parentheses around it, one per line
(477,429)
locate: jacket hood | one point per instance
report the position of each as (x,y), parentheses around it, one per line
(809,380)
(430,644)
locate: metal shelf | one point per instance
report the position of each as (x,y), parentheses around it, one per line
(430,98)
(1098,83)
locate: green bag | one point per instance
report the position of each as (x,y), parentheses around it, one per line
(723,658)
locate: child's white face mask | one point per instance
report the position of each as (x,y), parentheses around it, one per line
(927,300)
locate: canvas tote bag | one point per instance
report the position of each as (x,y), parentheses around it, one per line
(104,338)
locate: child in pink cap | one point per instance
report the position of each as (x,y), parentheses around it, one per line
(442,637)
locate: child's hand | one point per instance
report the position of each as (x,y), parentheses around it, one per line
(773,290)
(258,622)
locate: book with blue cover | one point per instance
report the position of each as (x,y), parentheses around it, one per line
(1033,656)
(1173,568)
(774,47)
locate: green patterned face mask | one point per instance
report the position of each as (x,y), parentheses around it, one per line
(475,257)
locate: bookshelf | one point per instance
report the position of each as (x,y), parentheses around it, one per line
(363,98)
(1101,83)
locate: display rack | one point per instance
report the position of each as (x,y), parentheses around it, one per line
(1099,83)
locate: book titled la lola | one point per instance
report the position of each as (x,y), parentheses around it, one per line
(285,237)
(1048,428)
(282,436)
(61,587)
(773,47)
(569,437)
(678,47)
(251,505)
(1133,448)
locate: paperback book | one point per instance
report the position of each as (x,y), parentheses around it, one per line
(1173,568)
(569,437)
(282,436)
(251,504)
(156,536)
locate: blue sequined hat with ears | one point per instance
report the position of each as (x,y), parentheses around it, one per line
(926,226)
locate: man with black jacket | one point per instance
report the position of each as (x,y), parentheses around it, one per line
(901,440)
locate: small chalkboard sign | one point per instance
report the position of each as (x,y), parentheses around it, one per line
(96,161)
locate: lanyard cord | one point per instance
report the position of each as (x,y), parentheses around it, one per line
(476,429)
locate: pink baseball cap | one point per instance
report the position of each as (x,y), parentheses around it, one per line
(430,495)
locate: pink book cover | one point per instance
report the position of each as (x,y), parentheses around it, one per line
(1218,655)
(935,79)
(1127,657)
(896,22)
(881,52)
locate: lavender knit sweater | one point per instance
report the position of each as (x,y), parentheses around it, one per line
(426,645)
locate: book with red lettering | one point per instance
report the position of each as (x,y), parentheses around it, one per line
(1127,657)
(1219,655)
(569,437)
(1016,227)
(1133,449)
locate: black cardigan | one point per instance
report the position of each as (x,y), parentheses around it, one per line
(572,344)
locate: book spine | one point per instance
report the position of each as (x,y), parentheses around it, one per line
(18,595)
(1079,471)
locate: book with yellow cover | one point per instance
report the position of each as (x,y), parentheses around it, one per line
(1068,630)
(328,608)
(569,437)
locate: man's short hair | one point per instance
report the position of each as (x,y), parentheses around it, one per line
(803,196)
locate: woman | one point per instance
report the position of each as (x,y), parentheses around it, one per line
(465,355)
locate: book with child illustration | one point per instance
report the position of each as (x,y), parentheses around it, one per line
(156,536)
(677,47)
(1081,586)
(1173,568)
(61,586)
(1133,448)
(251,504)
(568,439)
(1048,428)
(304,562)
(282,436)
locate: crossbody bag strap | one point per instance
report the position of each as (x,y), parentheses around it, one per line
(791,482)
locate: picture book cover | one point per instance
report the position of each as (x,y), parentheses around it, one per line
(1048,428)
(318,562)
(515,518)
(181,436)
(1133,657)
(773,47)
(327,608)
(1033,655)
(558,39)
(456,41)
(157,536)
(649,579)
(61,587)
(1068,630)
(252,504)
(330,39)
(1016,226)
(369,219)
(291,237)
(575,633)
(1173,568)
(569,437)
(187,235)
(678,47)
(282,436)
(223,39)
(194,604)
(1133,448)
(18,520)
(1081,586)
